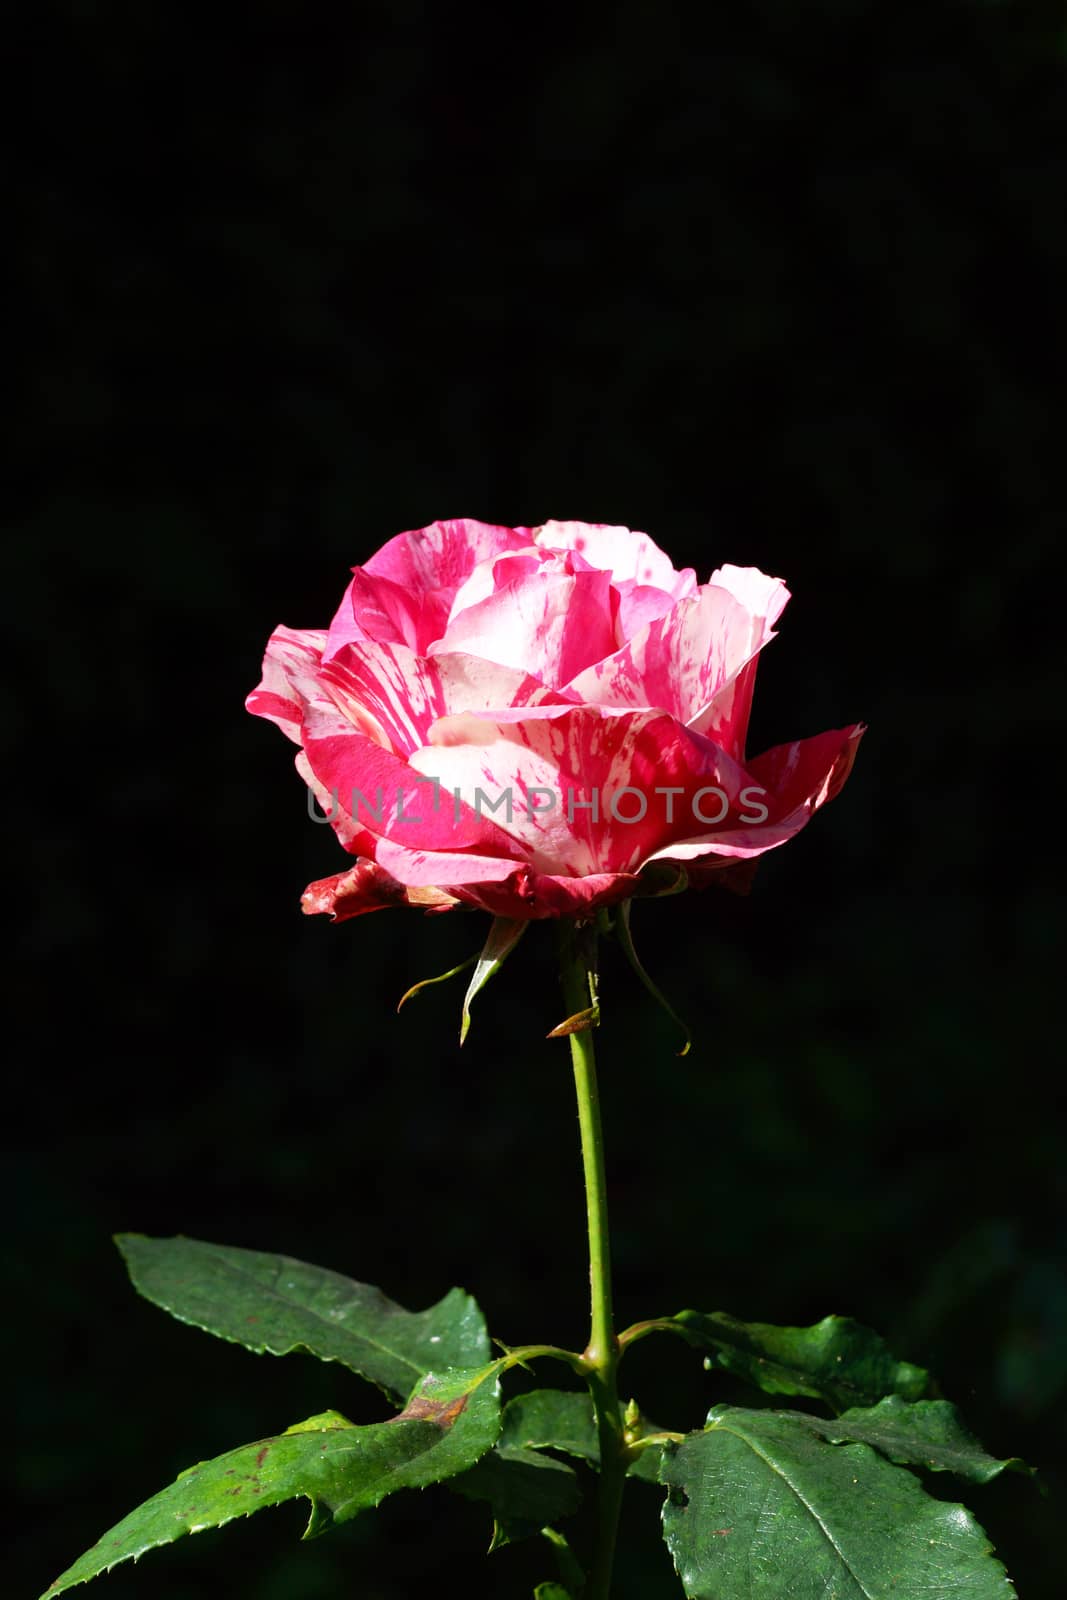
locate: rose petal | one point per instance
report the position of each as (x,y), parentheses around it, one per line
(548,626)
(623,552)
(355,838)
(393,613)
(389,798)
(554,778)
(796,779)
(691,662)
(290,679)
(444,554)
(391,687)
(536,895)
(366,887)
(442,868)
(639,604)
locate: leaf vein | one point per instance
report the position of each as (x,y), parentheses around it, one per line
(809,1508)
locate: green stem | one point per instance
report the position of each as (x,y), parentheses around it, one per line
(601,1357)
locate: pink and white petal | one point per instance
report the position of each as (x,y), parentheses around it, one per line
(499,571)
(790,782)
(367,887)
(470,684)
(624,552)
(394,613)
(387,686)
(639,604)
(391,689)
(682,662)
(493,574)
(809,771)
(443,554)
(354,838)
(343,625)
(725,717)
(510,771)
(386,795)
(759,593)
(551,626)
(557,775)
(290,679)
(444,869)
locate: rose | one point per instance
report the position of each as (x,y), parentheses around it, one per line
(538,722)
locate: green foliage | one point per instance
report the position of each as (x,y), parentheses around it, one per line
(926,1434)
(449,1422)
(756,1500)
(504,935)
(555,1419)
(760,1506)
(552,1419)
(276,1305)
(526,1491)
(837,1360)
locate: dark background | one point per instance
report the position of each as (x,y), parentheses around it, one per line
(786,290)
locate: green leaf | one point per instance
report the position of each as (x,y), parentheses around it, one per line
(571,1576)
(551,1591)
(449,1422)
(504,935)
(551,1419)
(836,1360)
(759,1507)
(275,1305)
(926,1434)
(646,1466)
(526,1491)
(558,1419)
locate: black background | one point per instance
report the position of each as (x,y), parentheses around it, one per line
(786,289)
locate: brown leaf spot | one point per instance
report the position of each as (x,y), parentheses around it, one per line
(421,1409)
(261,1455)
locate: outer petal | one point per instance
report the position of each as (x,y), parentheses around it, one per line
(444,554)
(796,779)
(451,869)
(405,591)
(562,772)
(366,887)
(809,772)
(390,799)
(623,552)
(355,838)
(290,679)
